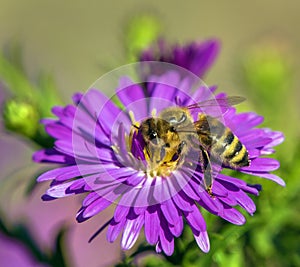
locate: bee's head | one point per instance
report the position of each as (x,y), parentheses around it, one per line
(150,131)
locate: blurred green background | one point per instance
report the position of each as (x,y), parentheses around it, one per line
(78,41)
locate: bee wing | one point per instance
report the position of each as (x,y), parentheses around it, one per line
(219,102)
(200,126)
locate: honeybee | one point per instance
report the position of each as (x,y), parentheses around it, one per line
(171,135)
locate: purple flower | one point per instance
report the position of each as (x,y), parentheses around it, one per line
(196,57)
(104,153)
(14,254)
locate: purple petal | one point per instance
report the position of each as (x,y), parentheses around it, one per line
(252,189)
(139,210)
(152,225)
(52,174)
(52,156)
(131,232)
(166,239)
(47,121)
(158,247)
(77,98)
(262,165)
(246,202)
(170,212)
(104,189)
(232,215)
(81,150)
(183,202)
(65,114)
(91,197)
(114,229)
(60,190)
(97,206)
(197,57)
(132,190)
(120,212)
(177,228)
(183,181)
(202,241)
(254,153)
(219,190)
(77,185)
(266,175)
(133,98)
(277,137)
(137,146)
(195,219)
(255,141)
(165,86)
(58,131)
(65,173)
(238,198)
(213,205)
(246,121)
(102,108)
(231,180)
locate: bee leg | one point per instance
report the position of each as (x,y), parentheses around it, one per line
(207,171)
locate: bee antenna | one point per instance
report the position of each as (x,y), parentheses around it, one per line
(136,126)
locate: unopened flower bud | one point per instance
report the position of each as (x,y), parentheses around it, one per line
(21,117)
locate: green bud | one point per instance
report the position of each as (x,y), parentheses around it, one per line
(267,70)
(140,32)
(21,117)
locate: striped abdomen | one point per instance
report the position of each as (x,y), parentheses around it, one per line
(221,143)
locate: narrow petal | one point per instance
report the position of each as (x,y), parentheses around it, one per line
(245,121)
(114,229)
(95,207)
(246,202)
(277,137)
(232,215)
(152,225)
(60,190)
(120,212)
(239,197)
(65,173)
(177,228)
(52,156)
(166,239)
(91,197)
(213,205)
(183,202)
(131,232)
(77,98)
(182,180)
(269,176)
(202,240)
(262,165)
(58,130)
(133,98)
(158,247)
(170,212)
(195,219)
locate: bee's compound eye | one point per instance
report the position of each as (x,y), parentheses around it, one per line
(172,129)
(153,137)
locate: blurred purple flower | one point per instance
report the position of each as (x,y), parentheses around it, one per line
(196,57)
(104,157)
(14,254)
